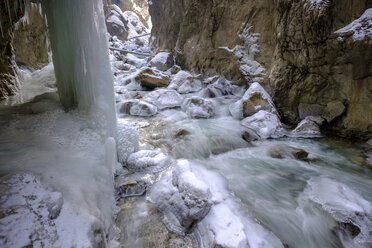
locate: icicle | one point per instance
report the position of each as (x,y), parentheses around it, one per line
(77,32)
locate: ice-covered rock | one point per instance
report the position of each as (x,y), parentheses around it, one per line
(360,28)
(164,98)
(133,185)
(190,86)
(197,107)
(162,61)
(152,78)
(254,100)
(307,128)
(180,78)
(220,87)
(127,141)
(137,108)
(182,197)
(264,124)
(151,161)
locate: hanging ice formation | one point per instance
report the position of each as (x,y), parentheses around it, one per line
(77,32)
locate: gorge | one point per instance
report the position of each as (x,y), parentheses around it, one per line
(134,123)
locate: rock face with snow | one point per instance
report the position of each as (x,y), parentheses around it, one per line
(164,98)
(197,107)
(9,83)
(162,61)
(310,52)
(137,108)
(152,78)
(115,22)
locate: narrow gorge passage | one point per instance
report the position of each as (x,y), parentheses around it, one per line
(203,153)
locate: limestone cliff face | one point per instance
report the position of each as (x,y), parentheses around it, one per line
(8,69)
(289,46)
(30,40)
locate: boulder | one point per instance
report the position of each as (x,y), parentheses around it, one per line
(116,22)
(307,128)
(152,78)
(284,151)
(220,87)
(150,161)
(306,109)
(264,124)
(137,108)
(175,69)
(254,100)
(164,98)
(162,61)
(190,86)
(180,78)
(197,107)
(333,110)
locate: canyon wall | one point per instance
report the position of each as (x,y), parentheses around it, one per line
(290,46)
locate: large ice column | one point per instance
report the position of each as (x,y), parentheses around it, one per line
(77,32)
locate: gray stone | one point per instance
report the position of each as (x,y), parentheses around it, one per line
(333,110)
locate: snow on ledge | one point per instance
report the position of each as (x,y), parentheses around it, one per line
(360,28)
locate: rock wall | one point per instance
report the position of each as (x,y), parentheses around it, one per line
(8,69)
(140,7)
(289,46)
(30,40)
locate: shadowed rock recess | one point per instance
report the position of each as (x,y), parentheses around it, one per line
(312,56)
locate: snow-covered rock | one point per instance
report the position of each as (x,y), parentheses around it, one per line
(151,161)
(197,107)
(116,23)
(254,100)
(190,86)
(127,141)
(137,108)
(220,87)
(182,197)
(264,124)
(180,78)
(162,61)
(152,78)
(307,128)
(360,28)
(164,98)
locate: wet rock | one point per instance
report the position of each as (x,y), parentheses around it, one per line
(263,124)
(197,107)
(333,110)
(175,69)
(180,133)
(285,151)
(164,98)
(162,61)
(152,78)
(249,136)
(137,108)
(254,100)
(133,184)
(150,161)
(307,128)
